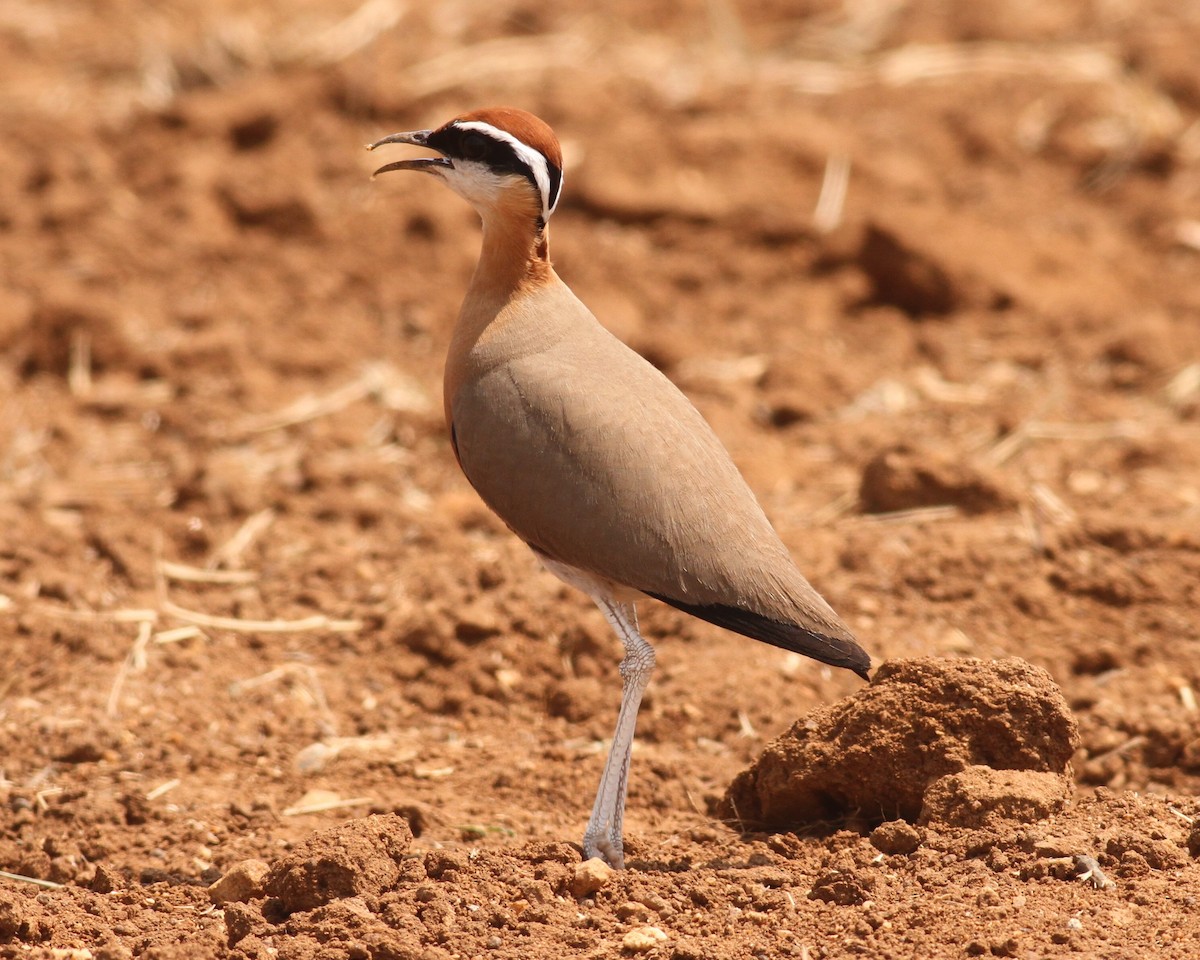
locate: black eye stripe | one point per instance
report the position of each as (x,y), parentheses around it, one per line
(473,144)
(555,184)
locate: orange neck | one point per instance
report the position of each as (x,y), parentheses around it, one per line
(513,262)
(515,251)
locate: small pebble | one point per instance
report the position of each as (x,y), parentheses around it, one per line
(590,876)
(632,910)
(242,882)
(641,939)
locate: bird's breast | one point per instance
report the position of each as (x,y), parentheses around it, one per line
(593,457)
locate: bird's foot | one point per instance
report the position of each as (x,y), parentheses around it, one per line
(610,850)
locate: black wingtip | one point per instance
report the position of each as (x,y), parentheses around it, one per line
(835,651)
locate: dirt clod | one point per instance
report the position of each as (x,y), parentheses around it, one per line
(359,857)
(843,887)
(895,837)
(979,796)
(240,921)
(243,881)
(590,877)
(1193,841)
(905,478)
(11,917)
(906,276)
(1156,854)
(919,720)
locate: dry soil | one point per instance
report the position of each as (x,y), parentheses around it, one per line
(256,627)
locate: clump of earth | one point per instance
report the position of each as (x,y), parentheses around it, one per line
(929,739)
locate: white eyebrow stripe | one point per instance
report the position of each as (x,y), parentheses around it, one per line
(534,159)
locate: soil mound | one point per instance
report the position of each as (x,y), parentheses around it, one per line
(877,754)
(904,478)
(356,858)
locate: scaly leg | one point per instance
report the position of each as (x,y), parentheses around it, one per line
(603,837)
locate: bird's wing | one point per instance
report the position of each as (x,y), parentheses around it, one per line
(593,457)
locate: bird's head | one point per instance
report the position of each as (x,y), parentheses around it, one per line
(497,158)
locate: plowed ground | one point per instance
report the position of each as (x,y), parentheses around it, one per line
(245,594)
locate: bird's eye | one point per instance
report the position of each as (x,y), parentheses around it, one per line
(474,146)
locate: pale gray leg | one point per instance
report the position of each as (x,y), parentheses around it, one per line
(603,837)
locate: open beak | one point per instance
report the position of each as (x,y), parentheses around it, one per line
(418,138)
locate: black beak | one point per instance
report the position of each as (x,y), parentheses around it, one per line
(418,138)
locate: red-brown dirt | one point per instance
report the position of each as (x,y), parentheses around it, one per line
(247,600)
(877,754)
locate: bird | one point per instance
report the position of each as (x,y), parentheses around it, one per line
(588,452)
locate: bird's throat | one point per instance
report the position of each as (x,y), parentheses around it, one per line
(515,254)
